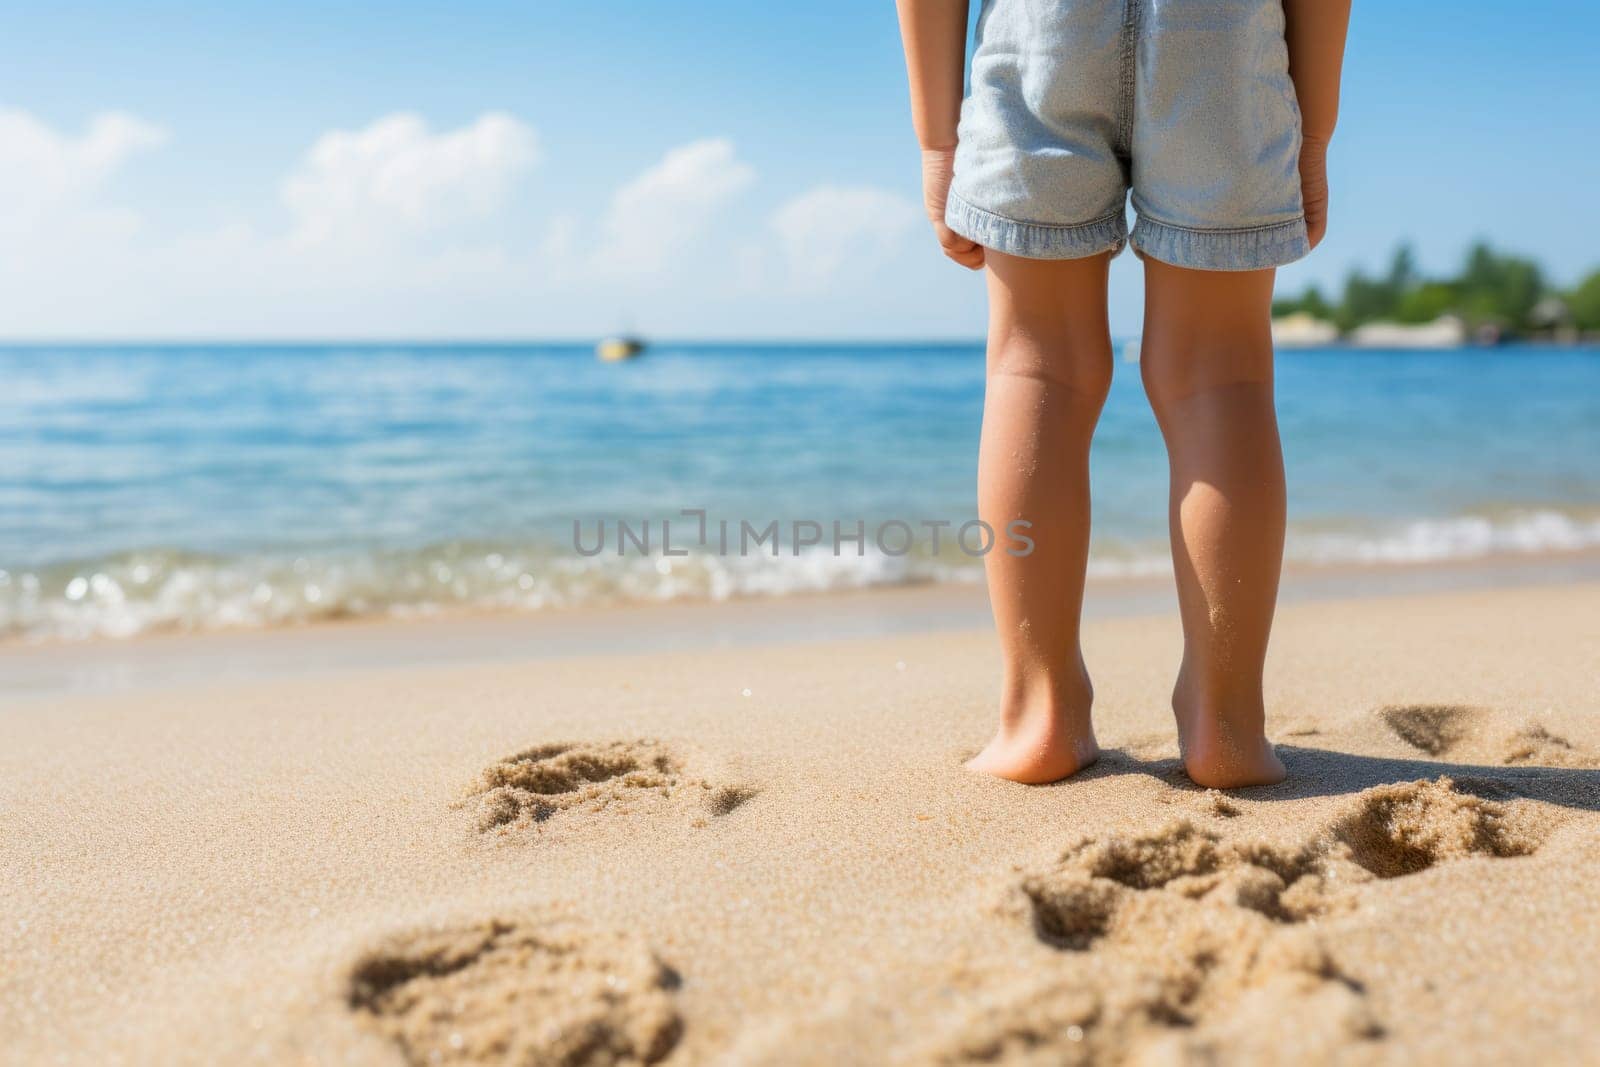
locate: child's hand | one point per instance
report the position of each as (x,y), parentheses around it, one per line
(938,166)
(1314,187)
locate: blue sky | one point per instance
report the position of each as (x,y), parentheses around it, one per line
(726,169)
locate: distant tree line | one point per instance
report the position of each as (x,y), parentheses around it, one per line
(1494,295)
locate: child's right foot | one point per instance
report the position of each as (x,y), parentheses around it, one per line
(1219,753)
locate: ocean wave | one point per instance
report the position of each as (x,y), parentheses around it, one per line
(1460,537)
(162,591)
(152,591)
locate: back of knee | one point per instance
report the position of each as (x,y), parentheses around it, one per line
(1173,375)
(1080,365)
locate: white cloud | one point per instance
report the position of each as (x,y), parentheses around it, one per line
(397,177)
(665,209)
(46,174)
(395,228)
(830,229)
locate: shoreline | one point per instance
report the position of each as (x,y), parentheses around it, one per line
(51,668)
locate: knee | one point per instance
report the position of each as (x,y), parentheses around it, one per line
(1172,376)
(1081,365)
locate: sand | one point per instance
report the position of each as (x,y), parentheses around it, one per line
(771,854)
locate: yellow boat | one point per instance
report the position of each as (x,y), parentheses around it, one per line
(617,349)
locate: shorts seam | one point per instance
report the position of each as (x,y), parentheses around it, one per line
(1236,248)
(1129,79)
(1036,240)
(975,209)
(1156,221)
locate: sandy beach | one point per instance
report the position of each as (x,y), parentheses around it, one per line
(771,854)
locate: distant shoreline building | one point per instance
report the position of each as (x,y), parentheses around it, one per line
(1301,329)
(1446,331)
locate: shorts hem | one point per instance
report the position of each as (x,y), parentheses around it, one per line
(1036,240)
(1252,248)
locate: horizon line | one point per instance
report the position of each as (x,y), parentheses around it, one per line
(485,342)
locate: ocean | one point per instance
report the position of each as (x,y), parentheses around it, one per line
(152,488)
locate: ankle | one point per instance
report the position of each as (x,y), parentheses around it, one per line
(1032,699)
(1045,733)
(1219,699)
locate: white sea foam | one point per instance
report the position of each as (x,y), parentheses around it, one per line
(1459,537)
(153,591)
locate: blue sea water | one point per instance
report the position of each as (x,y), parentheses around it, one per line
(192,487)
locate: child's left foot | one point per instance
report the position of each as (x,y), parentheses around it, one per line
(1038,749)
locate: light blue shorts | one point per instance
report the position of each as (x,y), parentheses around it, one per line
(1188,103)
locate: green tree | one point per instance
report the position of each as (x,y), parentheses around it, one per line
(1482,268)
(1522,288)
(1584,303)
(1426,302)
(1316,305)
(1403,272)
(1491,289)
(1312,302)
(1365,300)
(1499,289)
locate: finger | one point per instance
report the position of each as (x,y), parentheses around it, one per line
(1316,219)
(1316,229)
(971,258)
(948,237)
(953,243)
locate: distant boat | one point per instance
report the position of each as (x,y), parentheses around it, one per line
(618,349)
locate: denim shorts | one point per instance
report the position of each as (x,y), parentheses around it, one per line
(1188,103)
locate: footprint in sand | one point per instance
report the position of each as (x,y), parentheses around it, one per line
(535,785)
(1184,938)
(1480,735)
(522,992)
(1211,804)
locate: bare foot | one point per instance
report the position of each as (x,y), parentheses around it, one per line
(1220,752)
(1038,747)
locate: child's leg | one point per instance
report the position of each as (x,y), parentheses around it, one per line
(1206,359)
(1049,370)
